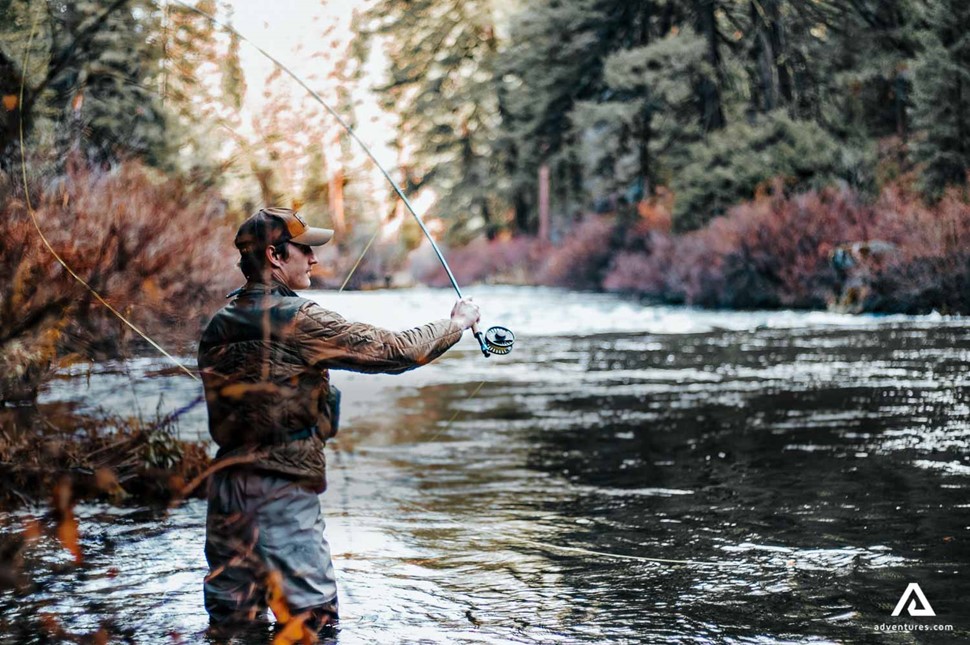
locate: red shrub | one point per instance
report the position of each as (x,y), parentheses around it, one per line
(156,249)
(510,260)
(777,251)
(931,268)
(583,258)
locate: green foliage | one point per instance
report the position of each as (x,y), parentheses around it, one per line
(621,99)
(442,87)
(731,164)
(942,97)
(92,82)
(553,70)
(649,115)
(111,80)
(863,63)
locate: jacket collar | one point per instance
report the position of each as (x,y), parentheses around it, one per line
(257,287)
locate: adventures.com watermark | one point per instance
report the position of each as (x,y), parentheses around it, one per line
(914,602)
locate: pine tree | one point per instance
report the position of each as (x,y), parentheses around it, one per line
(442,87)
(942,97)
(555,60)
(194,49)
(656,107)
(631,83)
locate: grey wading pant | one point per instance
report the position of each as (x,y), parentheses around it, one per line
(256,524)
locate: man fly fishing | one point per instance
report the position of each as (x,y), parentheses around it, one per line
(265,361)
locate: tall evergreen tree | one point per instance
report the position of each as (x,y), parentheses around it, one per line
(555,60)
(942,96)
(98,76)
(442,56)
(194,48)
(657,104)
(98,81)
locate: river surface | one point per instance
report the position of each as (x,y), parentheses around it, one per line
(628,474)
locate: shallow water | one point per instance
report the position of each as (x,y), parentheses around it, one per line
(802,468)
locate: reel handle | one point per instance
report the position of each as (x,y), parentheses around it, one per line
(481,340)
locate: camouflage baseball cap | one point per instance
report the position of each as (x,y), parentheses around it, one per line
(271,226)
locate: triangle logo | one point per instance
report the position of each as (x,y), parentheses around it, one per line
(914,595)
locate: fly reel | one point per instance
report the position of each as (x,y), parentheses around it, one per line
(497,340)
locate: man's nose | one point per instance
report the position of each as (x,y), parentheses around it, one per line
(313,258)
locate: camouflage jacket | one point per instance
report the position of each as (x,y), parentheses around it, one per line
(265,361)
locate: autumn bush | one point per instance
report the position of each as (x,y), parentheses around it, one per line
(771,252)
(511,260)
(777,250)
(105,456)
(581,260)
(155,248)
(931,270)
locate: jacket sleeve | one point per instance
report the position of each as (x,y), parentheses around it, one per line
(329,341)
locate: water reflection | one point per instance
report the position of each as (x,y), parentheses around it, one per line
(806,467)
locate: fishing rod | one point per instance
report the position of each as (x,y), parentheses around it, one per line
(495,340)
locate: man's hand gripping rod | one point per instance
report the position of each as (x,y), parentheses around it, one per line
(497,340)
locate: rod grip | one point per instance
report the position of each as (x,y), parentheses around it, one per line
(481,340)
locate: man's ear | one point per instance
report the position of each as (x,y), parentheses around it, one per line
(272,258)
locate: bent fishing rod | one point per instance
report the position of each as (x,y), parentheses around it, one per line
(496,340)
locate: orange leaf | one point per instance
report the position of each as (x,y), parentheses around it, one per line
(105,480)
(239,390)
(151,289)
(100,637)
(277,599)
(10,102)
(68,535)
(294,631)
(50,625)
(67,525)
(32,530)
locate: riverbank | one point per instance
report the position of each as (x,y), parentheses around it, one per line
(832,249)
(50,450)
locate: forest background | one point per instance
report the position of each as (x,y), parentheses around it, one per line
(721,153)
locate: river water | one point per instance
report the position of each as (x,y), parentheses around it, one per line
(628,474)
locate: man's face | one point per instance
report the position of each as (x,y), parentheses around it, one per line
(294,271)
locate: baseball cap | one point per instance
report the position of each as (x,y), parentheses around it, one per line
(271,226)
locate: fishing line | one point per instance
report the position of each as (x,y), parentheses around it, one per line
(456,414)
(203,476)
(40,233)
(360,258)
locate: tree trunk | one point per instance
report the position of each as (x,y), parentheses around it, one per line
(336,195)
(544,202)
(523,215)
(491,230)
(709,90)
(779,46)
(764,87)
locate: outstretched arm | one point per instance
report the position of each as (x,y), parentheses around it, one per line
(330,341)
